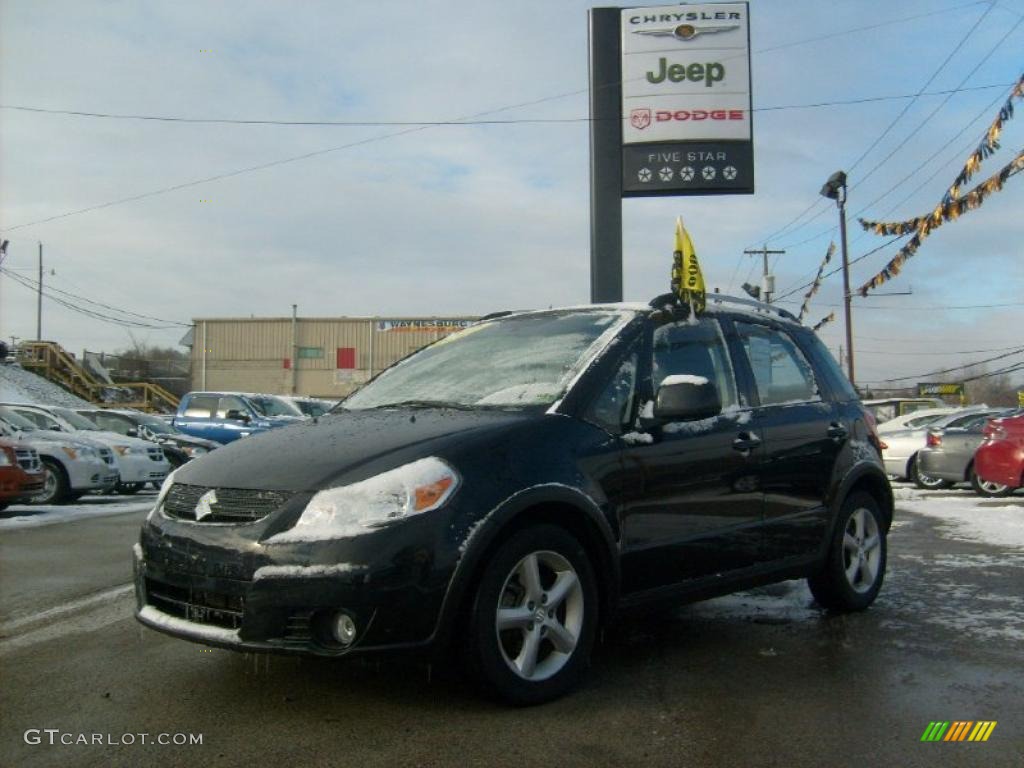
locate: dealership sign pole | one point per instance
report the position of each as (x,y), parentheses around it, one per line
(670,90)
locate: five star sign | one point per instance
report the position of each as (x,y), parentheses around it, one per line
(644,174)
(665,174)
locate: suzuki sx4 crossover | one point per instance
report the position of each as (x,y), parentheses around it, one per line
(509,489)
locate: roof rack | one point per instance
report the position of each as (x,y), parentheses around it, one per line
(721,298)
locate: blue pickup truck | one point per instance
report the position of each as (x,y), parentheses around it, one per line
(227,416)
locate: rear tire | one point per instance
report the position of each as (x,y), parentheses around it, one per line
(988,489)
(129,489)
(924,481)
(534,617)
(855,566)
(55,487)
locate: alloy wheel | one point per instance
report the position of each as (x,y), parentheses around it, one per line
(862,550)
(539,615)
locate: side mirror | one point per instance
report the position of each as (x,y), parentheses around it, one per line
(236,415)
(132,432)
(686,398)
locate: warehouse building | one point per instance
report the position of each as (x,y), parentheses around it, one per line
(325,357)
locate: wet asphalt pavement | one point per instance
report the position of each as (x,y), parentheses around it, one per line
(761,678)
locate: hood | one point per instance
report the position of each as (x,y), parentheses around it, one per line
(311,456)
(110,439)
(183,439)
(71,439)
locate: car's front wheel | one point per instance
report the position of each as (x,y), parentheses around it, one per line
(55,485)
(534,616)
(855,566)
(988,488)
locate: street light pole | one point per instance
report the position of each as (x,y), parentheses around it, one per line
(39,298)
(835,189)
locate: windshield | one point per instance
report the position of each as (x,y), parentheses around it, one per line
(312,407)
(76,420)
(267,405)
(16,420)
(158,427)
(527,360)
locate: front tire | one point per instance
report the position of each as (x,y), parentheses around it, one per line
(534,616)
(55,486)
(987,488)
(925,482)
(129,489)
(855,566)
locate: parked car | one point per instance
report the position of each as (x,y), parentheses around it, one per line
(22,474)
(914,419)
(1000,458)
(886,408)
(311,407)
(177,446)
(949,452)
(227,416)
(74,465)
(901,447)
(525,481)
(138,461)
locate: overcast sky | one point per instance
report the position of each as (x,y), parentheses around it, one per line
(405,220)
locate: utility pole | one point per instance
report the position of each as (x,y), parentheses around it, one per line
(767,280)
(835,189)
(39,297)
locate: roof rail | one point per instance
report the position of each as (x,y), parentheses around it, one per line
(720,298)
(495,315)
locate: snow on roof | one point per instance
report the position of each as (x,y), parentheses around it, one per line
(20,386)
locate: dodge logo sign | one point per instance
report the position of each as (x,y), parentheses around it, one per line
(640,118)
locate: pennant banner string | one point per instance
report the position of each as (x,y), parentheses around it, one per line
(817,280)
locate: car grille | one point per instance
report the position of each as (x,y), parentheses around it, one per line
(298,629)
(155,454)
(199,606)
(233,505)
(28,459)
(107,455)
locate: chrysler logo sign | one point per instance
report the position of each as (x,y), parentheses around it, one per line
(685,31)
(204,507)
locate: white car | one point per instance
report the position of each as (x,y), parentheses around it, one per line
(915,420)
(75,465)
(139,461)
(900,448)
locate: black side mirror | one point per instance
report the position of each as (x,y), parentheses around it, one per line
(686,399)
(236,415)
(132,432)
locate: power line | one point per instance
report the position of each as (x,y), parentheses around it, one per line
(839,269)
(455,123)
(933,354)
(1017,351)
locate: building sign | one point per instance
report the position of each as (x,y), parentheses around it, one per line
(423,326)
(939,390)
(686,100)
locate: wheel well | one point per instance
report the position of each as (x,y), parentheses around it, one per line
(49,460)
(879,490)
(576,522)
(967,472)
(910,465)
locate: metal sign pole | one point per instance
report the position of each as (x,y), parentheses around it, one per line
(605,155)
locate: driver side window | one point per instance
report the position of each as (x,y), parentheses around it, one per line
(695,349)
(614,405)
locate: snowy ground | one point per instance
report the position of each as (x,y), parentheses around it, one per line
(33,516)
(965,515)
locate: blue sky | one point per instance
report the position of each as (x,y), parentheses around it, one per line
(470,219)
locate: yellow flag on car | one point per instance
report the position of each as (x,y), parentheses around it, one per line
(687,280)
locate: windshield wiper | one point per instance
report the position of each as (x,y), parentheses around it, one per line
(424,404)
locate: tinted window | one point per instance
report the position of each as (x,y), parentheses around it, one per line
(613,406)
(39,419)
(201,407)
(230,403)
(111,422)
(781,372)
(830,369)
(698,350)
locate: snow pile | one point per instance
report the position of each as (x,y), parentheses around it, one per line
(20,386)
(305,571)
(997,522)
(37,516)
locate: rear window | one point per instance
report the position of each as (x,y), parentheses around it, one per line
(201,407)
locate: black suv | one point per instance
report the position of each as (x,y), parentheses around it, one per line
(514,485)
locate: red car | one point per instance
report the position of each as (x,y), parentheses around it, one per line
(21,473)
(1000,459)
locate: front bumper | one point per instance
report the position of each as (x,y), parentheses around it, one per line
(281,598)
(91,474)
(896,466)
(140,468)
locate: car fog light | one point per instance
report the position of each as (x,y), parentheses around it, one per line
(343,628)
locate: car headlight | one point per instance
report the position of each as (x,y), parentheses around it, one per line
(6,459)
(194,450)
(409,490)
(71,452)
(164,489)
(123,450)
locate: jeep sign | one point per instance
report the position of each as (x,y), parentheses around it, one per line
(686,100)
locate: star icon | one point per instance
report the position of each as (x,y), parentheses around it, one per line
(708,172)
(644,174)
(729,172)
(686,173)
(665,174)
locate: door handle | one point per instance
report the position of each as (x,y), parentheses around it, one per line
(836,431)
(745,442)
